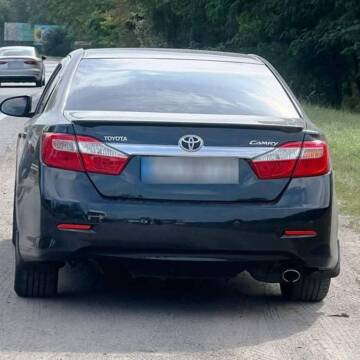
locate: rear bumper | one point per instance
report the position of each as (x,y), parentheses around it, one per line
(22,75)
(236,236)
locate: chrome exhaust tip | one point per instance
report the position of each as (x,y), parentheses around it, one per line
(291,276)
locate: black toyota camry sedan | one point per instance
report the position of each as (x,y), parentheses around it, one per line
(172,163)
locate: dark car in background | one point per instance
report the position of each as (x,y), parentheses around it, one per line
(21,64)
(174,163)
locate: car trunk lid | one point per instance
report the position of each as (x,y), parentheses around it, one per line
(18,62)
(159,167)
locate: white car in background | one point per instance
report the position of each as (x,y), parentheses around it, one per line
(21,64)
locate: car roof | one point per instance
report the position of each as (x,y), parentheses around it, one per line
(173,54)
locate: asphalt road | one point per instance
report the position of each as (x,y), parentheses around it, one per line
(240,319)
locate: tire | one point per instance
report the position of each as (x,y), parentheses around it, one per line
(14,226)
(307,289)
(39,83)
(35,279)
(43,80)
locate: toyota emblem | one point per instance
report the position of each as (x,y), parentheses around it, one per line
(191,143)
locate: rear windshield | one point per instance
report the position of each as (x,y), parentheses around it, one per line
(17,52)
(178,86)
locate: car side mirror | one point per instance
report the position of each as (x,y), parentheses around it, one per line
(19,106)
(43,57)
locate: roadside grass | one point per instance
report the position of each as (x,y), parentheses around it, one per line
(342,130)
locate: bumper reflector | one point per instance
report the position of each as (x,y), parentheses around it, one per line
(299,233)
(75,227)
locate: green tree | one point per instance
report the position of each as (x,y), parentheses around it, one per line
(314,43)
(58,42)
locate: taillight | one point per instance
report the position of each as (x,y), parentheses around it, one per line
(310,158)
(314,159)
(31,62)
(100,158)
(60,151)
(81,153)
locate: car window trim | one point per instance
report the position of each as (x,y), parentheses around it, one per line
(46,93)
(65,61)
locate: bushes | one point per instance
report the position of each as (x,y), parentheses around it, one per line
(314,43)
(58,42)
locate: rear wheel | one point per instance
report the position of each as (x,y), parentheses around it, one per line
(14,227)
(306,289)
(35,279)
(39,83)
(43,79)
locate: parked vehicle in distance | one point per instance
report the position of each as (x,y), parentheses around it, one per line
(174,163)
(21,64)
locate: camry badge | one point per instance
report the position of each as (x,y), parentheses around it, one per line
(191,143)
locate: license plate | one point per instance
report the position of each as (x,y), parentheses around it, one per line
(15,65)
(186,170)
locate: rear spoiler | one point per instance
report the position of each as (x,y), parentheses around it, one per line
(284,124)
